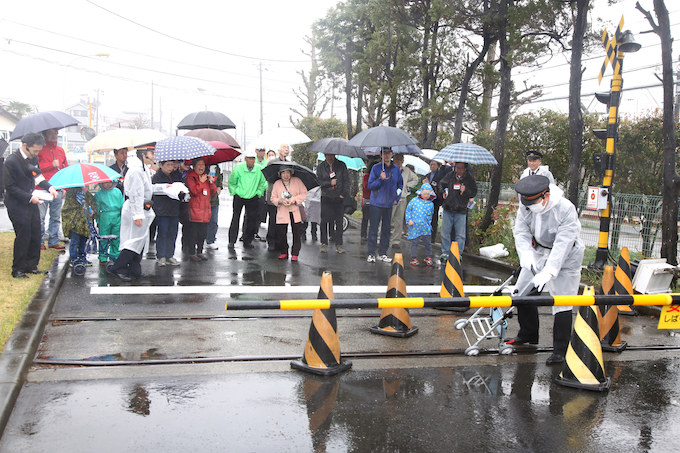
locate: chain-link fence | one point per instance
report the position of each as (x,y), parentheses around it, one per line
(635,219)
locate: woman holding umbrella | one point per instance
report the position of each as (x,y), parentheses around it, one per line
(136,216)
(201,188)
(288,193)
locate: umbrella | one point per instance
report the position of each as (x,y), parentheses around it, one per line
(83,174)
(271,173)
(122,138)
(468,153)
(42,121)
(428,154)
(181,147)
(213,135)
(421,167)
(280,135)
(337,146)
(383,136)
(223,153)
(206,119)
(353,163)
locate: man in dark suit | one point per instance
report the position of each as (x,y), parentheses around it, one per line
(21,174)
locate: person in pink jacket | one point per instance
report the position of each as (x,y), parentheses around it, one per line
(288,193)
(201,187)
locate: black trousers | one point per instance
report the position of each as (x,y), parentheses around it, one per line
(435,220)
(128,263)
(282,230)
(250,220)
(26,223)
(332,210)
(197,233)
(272,235)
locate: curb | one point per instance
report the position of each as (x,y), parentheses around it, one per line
(22,344)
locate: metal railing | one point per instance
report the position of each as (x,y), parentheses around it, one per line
(635,219)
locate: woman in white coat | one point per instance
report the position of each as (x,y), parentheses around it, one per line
(136,216)
(547,238)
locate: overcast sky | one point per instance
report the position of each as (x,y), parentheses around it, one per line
(206,54)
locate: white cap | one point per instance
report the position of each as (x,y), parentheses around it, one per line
(249,153)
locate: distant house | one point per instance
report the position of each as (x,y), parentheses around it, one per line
(7,123)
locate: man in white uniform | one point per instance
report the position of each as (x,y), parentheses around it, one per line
(534,167)
(547,238)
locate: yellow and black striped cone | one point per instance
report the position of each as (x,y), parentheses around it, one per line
(452,280)
(623,281)
(584,366)
(322,351)
(608,317)
(395,322)
(320,398)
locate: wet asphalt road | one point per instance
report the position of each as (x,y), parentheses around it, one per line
(169,373)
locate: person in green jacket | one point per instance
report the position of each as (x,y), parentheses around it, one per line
(109,204)
(79,206)
(246,185)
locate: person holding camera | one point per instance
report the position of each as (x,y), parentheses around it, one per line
(201,188)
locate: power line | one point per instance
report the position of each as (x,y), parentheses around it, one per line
(185,63)
(200,46)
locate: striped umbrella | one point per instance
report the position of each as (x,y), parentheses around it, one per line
(181,147)
(83,174)
(466,152)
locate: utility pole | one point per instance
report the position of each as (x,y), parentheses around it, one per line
(621,42)
(152,104)
(261,110)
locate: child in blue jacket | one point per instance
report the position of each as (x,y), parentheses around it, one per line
(418,217)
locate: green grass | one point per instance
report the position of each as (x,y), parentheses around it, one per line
(16,293)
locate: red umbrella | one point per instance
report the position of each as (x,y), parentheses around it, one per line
(214,135)
(223,153)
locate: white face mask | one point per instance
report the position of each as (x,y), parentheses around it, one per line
(538,208)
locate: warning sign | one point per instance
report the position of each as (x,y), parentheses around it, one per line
(591,203)
(670,317)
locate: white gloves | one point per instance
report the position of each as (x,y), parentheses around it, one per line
(528,262)
(540,280)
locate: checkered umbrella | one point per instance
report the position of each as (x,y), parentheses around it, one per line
(466,152)
(181,147)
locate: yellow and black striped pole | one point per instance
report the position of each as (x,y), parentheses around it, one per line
(452,280)
(322,351)
(623,280)
(395,321)
(608,317)
(584,365)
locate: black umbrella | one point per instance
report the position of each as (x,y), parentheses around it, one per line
(206,119)
(386,137)
(397,149)
(271,172)
(41,122)
(338,146)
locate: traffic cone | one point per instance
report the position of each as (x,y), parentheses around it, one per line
(322,351)
(452,280)
(623,281)
(584,366)
(395,322)
(320,397)
(608,317)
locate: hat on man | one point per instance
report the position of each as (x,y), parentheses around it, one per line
(248,153)
(532,189)
(533,155)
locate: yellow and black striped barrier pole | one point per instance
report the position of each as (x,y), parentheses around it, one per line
(471,301)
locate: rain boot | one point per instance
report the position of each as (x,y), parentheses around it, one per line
(527,316)
(561,336)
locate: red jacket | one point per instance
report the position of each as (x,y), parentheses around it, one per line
(47,155)
(199,204)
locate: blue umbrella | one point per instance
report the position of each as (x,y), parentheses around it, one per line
(41,122)
(468,153)
(83,174)
(182,147)
(353,163)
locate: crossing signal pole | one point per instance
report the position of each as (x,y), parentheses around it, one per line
(621,42)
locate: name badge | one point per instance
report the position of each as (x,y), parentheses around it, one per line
(332,174)
(456,187)
(205,192)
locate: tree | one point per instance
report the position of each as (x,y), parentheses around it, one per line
(19,109)
(316,129)
(141,122)
(671,180)
(313,98)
